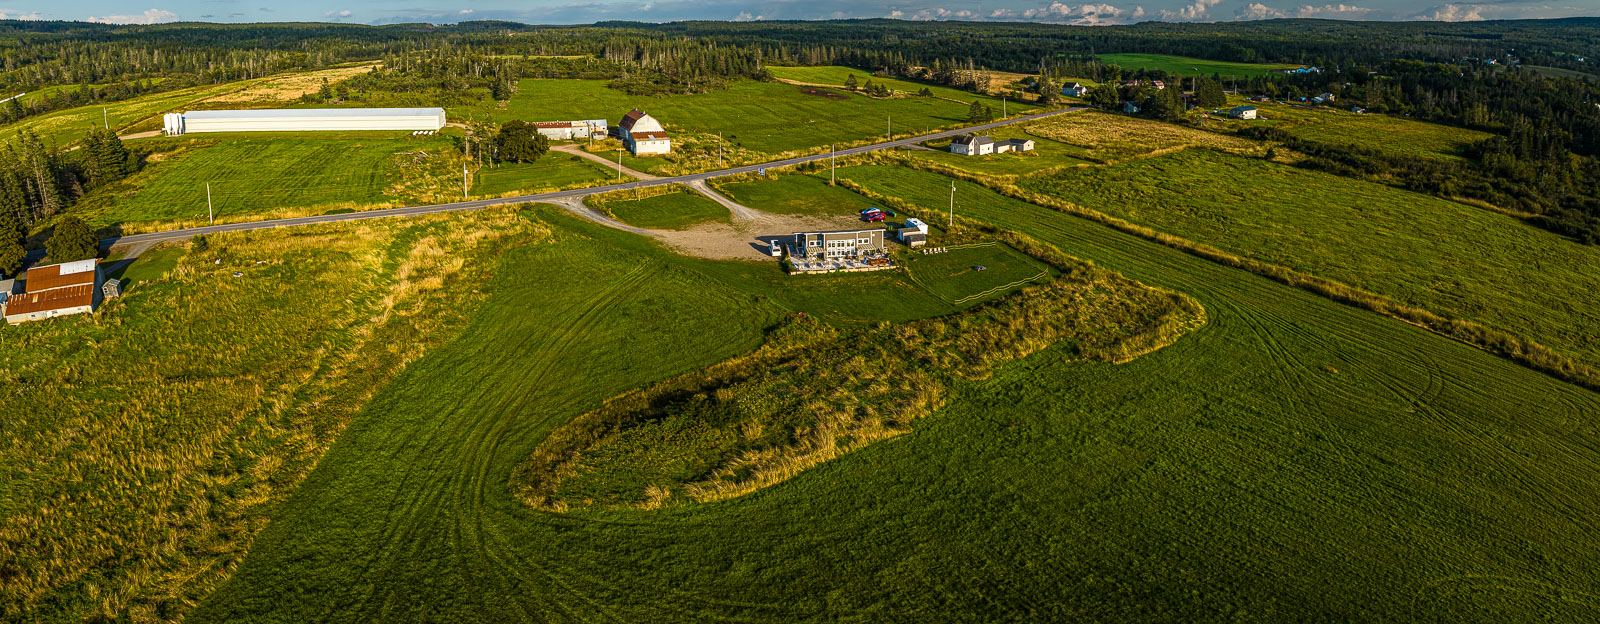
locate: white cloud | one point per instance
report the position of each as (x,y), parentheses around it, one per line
(745,16)
(150,16)
(29,16)
(1201,9)
(1338,11)
(465,12)
(344,13)
(896,14)
(1452,13)
(943,14)
(1084,14)
(1257,11)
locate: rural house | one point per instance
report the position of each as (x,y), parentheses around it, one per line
(56,290)
(1242,112)
(972,145)
(1074,90)
(1013,145)
(1130,108)
(1326,97)
(642,134)
(837,244)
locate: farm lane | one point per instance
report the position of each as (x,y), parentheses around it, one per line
(140,241)
(572,148)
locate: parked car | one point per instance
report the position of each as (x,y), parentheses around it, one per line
(867,211)
(876,217)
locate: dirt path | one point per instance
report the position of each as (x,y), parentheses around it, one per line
(575,150)
(740,212)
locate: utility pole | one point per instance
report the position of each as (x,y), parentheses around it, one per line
(1003,113)
(619,163)
(952,222)
(719,149)
(833,163)
(105,117)
(211,216)
(891,128)
(463,180)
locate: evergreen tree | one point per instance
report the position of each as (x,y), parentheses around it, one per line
(1104,97)
(72,240)
(13,240)
(978,113)
(850,82)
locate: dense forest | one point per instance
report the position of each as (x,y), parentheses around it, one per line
(1543,160)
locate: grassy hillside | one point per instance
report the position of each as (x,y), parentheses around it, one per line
(1293,459)
(1439,255)
(768,117)
(1192,66)
(143,447)
(64,127)
(1381,132)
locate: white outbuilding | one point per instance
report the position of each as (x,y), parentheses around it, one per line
(303,120)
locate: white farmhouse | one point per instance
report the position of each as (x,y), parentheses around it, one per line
(642,134)
(1242,112)
(972,145)
(1013,145)
(1074,90)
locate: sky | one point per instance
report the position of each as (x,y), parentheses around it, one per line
(588,11)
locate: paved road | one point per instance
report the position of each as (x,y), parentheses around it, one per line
(138,242)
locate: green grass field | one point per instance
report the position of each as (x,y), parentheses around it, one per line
(954,275)
(258,176)
(1438,255)
(554,170)
(836,76)
(1192,66)
(1557,72)
(64,127)
(767,117)
(673,211)
(1293,459)
(795,195)
(1382,132)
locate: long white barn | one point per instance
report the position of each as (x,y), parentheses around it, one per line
(303,120)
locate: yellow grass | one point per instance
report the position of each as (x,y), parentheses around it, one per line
(291,86)
(1113,138)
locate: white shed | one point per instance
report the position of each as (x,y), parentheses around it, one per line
(306,120)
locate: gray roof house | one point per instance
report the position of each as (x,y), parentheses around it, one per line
(972,145)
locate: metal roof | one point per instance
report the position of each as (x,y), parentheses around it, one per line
(53,299)
(61,275)
(321,113)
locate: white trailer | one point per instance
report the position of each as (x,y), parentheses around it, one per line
(305,120)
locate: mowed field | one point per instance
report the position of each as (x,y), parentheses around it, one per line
(1293,459)
(1382,132)
(677,210)
(767,117)
(262,176)
(836,76)
(554,170)
(1188,66)
(1046,154)
(1450,258)
(795,195)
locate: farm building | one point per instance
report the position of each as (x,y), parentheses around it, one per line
(1242,112)
(837,243)
(914,233)
(1327,97)
(303,120)
(1074,90)
(569,130)
(1013,145)
(642,134)
(1130,108)
(972,145)
(56,290)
